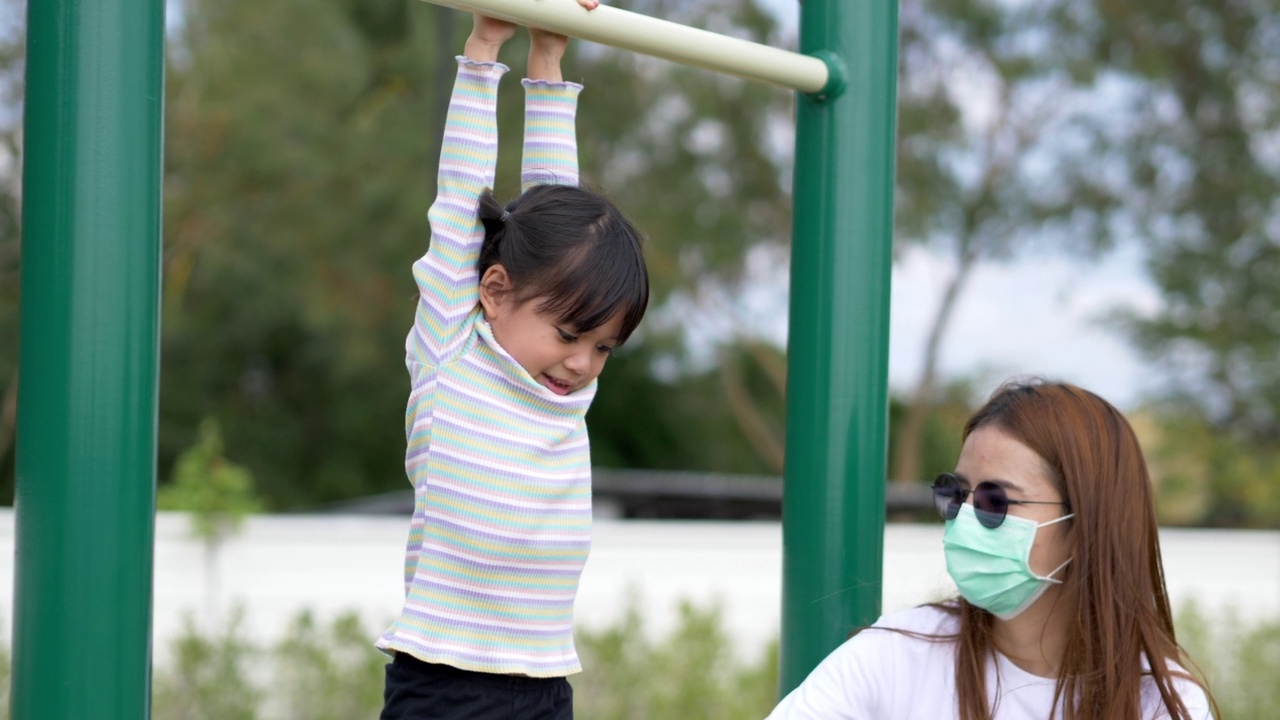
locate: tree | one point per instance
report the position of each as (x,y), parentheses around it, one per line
(1192,135)
(12,69)
(290,192)
(754,377)
(300,150)
(681,422)
(693,156)
(218,494)
(1203,476)
(989,161)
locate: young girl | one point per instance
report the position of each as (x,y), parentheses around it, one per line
(1051,539)
(520,308)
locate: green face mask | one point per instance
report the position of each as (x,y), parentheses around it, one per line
(991,566)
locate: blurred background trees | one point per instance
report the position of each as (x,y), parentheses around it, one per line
(1191,143)
(300,143)
(12,52)
(1194,148)
(986,170)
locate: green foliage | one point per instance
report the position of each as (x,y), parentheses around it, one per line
(690,155)
(1240,659)
(333,672)
(217,492)
(638,421)
(754,378)
(1189,139)
(296,183)
(209,678)
(939,444)
(6,671)
(694,673)
(1205,476)
(313,673)
(987,169)
(984,165)
(328,673)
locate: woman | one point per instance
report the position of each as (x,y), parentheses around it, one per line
(1051,539)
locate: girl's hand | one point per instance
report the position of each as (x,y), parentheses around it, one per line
(546,48)
(487,36)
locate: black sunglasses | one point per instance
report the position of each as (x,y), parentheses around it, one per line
(990,503)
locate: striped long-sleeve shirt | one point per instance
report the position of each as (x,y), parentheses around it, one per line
(500,465)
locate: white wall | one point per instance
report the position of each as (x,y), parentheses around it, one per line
(280,564)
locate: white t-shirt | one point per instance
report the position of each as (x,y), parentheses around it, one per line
(878,675)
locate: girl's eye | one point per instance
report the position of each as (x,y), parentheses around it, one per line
(604,349)
(567,337)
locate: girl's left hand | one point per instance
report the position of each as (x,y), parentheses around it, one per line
(546,48)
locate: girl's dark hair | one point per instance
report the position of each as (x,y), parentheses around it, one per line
(571,248)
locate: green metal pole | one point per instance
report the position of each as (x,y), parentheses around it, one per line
(837,404)
(86,442)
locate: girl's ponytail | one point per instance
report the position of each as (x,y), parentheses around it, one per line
(498,224)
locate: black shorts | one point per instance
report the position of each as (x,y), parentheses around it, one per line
(418,690)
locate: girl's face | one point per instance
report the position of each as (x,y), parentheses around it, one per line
(991,455)
(556,355)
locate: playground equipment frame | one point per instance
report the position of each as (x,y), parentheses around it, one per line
(664,39)
(86,445)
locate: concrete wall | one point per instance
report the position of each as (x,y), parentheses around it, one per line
(280,564)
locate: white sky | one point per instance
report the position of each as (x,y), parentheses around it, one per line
(1038,316)
(1035,316)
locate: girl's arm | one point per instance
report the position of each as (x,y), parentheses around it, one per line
(446,275)
(550,144)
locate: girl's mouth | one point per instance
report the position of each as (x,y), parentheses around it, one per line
(557,387)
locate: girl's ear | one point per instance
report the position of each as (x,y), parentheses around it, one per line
(495,289)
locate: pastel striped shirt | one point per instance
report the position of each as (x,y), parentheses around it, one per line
(500,465)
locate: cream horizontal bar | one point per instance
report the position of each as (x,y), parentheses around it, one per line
(659,38)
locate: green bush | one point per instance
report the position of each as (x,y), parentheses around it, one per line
(1240,660)
(696,672)
(313,673)
(5,670)
(332,672)
(208,678)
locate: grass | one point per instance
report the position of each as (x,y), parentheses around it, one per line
(330,671)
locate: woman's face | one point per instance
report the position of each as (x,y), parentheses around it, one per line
(991,455)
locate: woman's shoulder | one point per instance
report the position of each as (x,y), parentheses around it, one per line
(936,620)
(903,660)
(909,635)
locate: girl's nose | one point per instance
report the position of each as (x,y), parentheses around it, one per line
(579,361)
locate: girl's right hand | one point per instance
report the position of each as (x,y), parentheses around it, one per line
(487,36)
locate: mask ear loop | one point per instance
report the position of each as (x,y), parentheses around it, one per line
(1068,516)
(1050,577)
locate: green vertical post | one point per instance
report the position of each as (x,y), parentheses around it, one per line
(86,446)
(837,377)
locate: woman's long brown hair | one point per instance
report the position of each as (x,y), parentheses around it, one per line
(1114,585)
